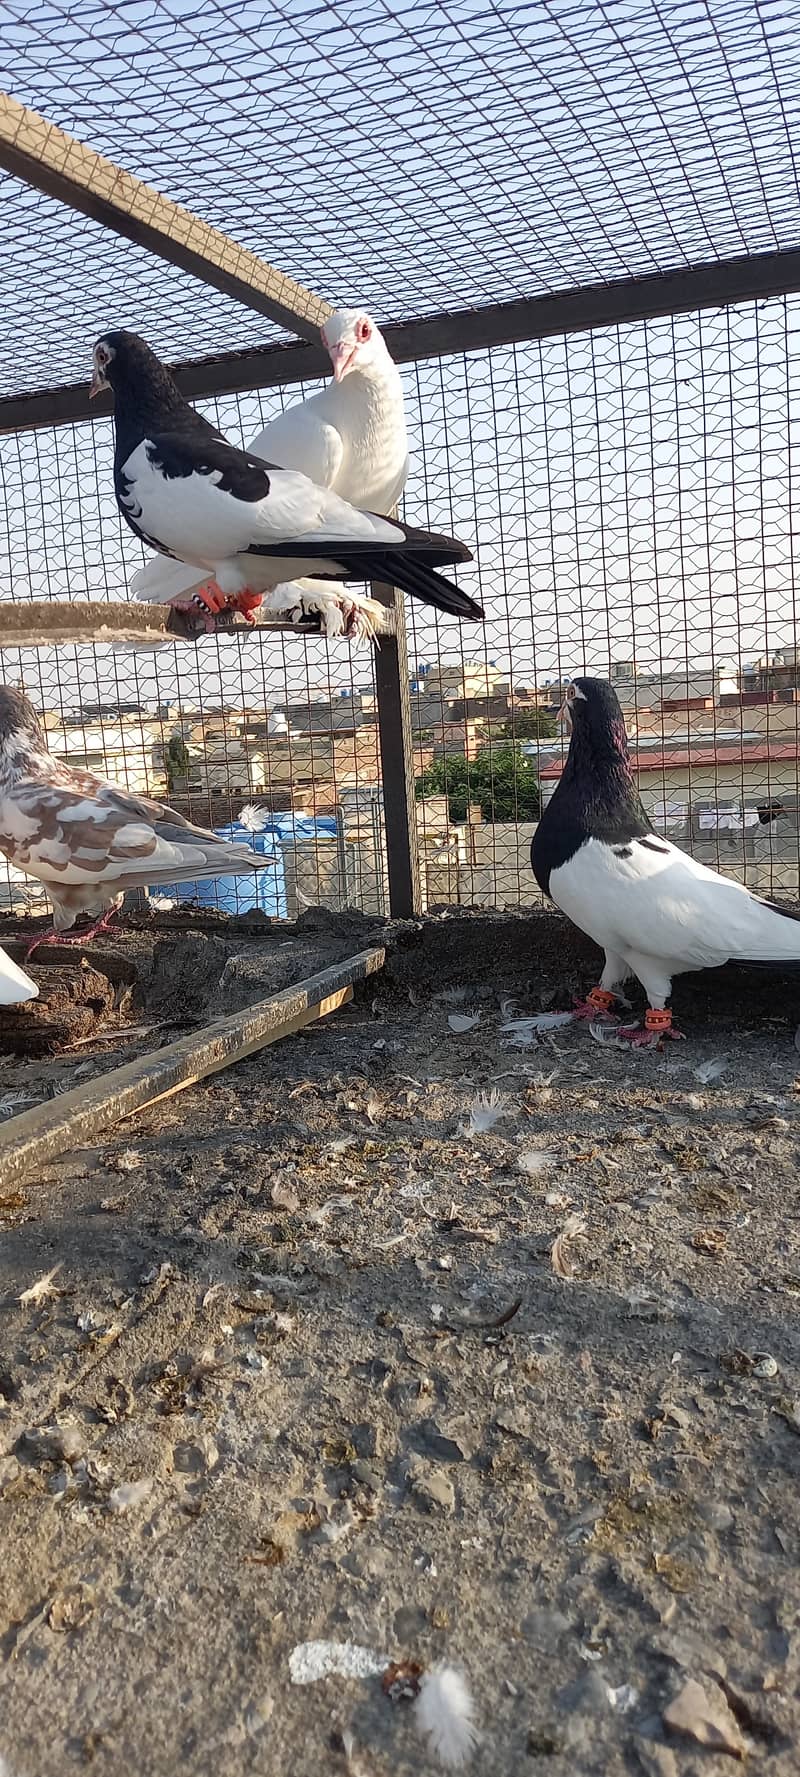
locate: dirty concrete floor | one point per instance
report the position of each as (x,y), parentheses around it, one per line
(307,1371)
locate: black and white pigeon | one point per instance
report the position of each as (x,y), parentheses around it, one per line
(87,840)
(654,910)
(187,492)
(350,437)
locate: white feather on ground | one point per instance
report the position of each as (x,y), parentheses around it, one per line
(461,1022)
(560,1253)
(485,1110)
(445,1716)
(711,1070)
(535,1160)
(40,1290)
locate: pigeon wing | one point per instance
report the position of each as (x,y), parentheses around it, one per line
(97,835)
(300,439)
(207,502)
(649,898)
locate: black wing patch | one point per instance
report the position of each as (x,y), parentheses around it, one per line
(178,456)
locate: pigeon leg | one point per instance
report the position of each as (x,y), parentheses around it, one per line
(246,602)
(53,937)
(212,604)
(598,1006)
(207,597)
(651,1035)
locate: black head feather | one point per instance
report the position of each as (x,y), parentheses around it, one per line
(147,399)
(596,797)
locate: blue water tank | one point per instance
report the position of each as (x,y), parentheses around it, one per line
(265,889)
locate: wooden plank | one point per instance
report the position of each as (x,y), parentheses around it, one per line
(48,623)
(35,150)
(36,1137)
(749,278)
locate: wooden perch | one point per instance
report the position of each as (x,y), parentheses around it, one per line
(34,1138)
(49,623)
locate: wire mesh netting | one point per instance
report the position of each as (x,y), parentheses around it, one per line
(412,157)
(629,494)
(628,491)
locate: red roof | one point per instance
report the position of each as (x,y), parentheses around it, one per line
(669,761)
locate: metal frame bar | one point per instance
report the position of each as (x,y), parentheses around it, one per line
(37,151)
(36,1137)
(462,330)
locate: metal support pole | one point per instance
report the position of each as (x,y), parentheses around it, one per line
(397,762)
(749,279)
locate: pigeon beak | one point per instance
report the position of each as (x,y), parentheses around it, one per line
(97,384)
(341,358)
(565,715)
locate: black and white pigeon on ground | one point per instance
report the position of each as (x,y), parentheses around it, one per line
(15,986)
(654,910)
(187,492)
(350,437)
(86,840)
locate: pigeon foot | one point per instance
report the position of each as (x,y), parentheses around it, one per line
(100,925)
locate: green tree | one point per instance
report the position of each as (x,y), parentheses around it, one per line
(176,759)
(501,778)
(535,724)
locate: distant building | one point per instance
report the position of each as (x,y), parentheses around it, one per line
(670,683)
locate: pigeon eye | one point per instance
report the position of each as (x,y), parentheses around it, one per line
(103,356)
(363,331)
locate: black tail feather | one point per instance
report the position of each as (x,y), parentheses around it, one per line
(414,577)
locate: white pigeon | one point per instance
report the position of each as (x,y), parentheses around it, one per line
(351,438)
(186,491)
(654,910)
(15,986)
(87,840)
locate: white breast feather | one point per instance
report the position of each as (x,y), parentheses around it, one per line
(666,905)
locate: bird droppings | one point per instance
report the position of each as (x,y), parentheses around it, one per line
(312,1660)
(239,1426)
